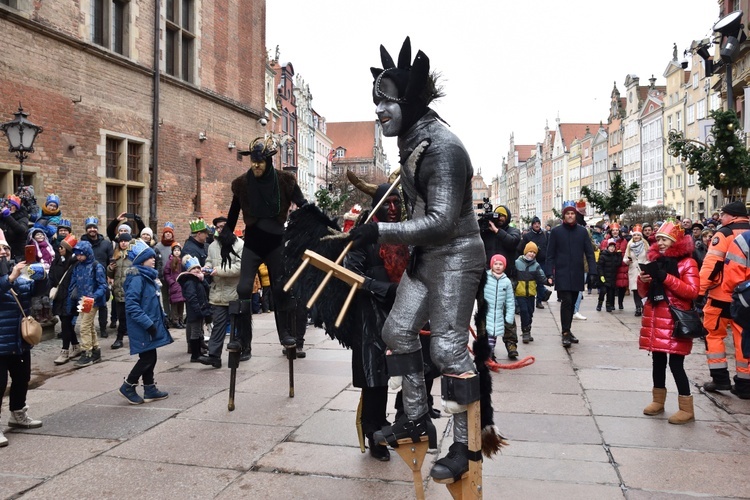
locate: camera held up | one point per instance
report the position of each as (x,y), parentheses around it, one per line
(487,216)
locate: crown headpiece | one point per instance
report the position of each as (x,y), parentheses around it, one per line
(197,225)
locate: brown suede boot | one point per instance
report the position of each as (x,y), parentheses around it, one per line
(657,405)
(685,414)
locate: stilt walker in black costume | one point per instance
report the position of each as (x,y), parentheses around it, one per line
(264,195)
(447,259)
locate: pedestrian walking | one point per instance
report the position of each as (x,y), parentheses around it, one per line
(569,244)
(146,324)
(500,299)
(530,276)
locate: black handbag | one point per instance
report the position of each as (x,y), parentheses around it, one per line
(688,324)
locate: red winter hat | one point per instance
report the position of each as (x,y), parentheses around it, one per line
(498,257)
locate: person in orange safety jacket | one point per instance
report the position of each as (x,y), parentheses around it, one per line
(716,314)
(737,270)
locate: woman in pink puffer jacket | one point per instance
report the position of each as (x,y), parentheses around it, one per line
(675,275)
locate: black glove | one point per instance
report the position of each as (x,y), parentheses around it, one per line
(660,275)
(208,319)
(365,234)
(137,218)
(151,330)
(226,239)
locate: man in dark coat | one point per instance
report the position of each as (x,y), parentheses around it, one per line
(103,252)
(539,237)
(504,241)
(569,244)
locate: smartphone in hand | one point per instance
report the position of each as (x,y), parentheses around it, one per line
(30,254)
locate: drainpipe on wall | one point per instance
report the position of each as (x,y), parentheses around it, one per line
(154,191)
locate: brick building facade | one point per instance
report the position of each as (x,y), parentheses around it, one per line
(85,71)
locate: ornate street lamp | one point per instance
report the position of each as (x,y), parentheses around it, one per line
(612,173)
(21,134)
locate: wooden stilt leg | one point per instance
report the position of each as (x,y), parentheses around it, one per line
(413,454)
(470,484)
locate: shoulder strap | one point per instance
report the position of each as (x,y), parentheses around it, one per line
(15,296)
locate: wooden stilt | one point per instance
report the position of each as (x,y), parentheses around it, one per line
(470,485)
(413,454)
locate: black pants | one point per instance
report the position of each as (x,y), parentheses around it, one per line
(374,403)
(122,326)
(567,302)
(67,331)
(19,368)
(621,294)
(283,308)
(676,365)
(609,292)
(103,319)
(144,368)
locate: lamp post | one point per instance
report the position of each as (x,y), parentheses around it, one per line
(21,134)
(612,173)
(730,26)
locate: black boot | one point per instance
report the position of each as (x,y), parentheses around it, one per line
(378,451)
(195,350)
(404,428)
(453,465)
(117,343)
(741,388)
(719,381)
(599,306)
(638,311)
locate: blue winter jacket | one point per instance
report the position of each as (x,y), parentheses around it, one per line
(11,342)
(88,279)
(143,309)
(501,303)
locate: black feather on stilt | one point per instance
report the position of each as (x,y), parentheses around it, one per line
(492,440)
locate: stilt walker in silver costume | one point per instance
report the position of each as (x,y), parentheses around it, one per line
(447,260)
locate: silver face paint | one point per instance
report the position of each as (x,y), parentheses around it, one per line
(388,111)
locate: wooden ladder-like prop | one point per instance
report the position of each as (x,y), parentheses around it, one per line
(335,269)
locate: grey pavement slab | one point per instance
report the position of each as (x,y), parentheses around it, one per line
(114,478)
(650,432)
(541,403)
(11,485)
(193,442)
(42,457)
(180,397)
(120,421)
(338,461)
(544,488)
(521,383)
(259,409)
(557,451)
(280,485)
(277,382)
(626,379)
(550,469)
(345,400)
(548,428)
(684,472)
(631,404)
(42,402)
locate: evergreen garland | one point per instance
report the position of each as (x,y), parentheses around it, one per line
(723,163)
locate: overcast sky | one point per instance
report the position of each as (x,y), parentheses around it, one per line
(507,67)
